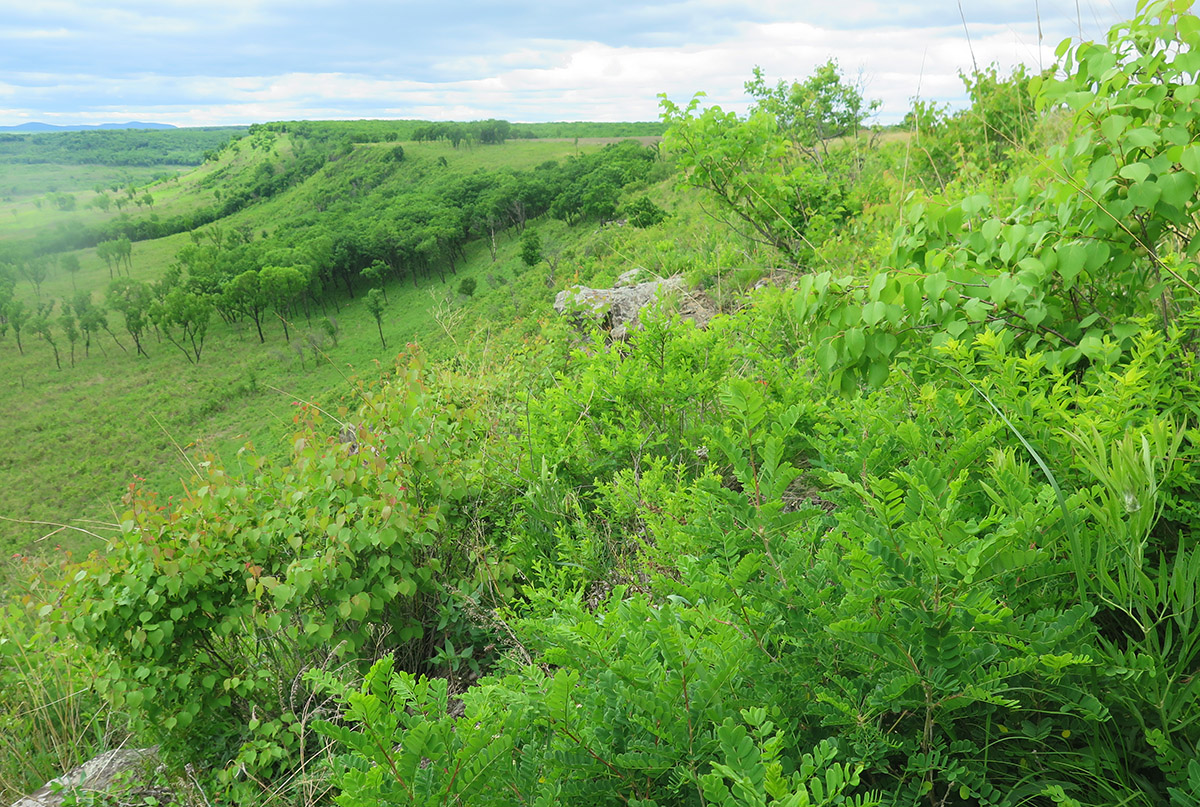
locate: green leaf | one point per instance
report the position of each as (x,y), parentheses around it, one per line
(1145,194)
(976,310)
(1177,189)
(1190,159)
(1113,125)
(912,299)
(1126,330)
(1141,138)
(283,593)
(827,355)
(1135,171)
(1000,288)
(873,312)
(878,373)
(935,285)
(1070,260)
(855,342)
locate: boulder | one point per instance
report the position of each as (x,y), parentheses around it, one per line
(122,772)
(617,309)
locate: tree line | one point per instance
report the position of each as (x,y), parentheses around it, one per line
(135,147)
(420,232)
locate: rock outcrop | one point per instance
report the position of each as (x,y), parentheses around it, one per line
(617,309)
(122,773)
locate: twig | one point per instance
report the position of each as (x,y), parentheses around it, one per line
(195,472)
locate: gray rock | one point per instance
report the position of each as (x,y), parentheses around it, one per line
(630,278)
(123,770)
(617,309)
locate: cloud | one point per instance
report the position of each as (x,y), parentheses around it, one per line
(238,61)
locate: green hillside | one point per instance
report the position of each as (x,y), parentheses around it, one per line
(910,522)
(104,413)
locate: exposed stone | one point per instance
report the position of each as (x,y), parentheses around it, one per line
(630,278)
(121,772)
(617,309)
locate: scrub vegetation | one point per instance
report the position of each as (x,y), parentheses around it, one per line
(911,522)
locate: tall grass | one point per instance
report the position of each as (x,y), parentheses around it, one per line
(51,719)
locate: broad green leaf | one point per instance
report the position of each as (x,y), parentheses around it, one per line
(1145,194)
(935,285)
(1177,189)
(1135,171)
(855,342)
(878,372)
(1113,125)
(1001,287)
(976,310)
(1126,330)
(1141,138)
(827,355)
(873,312)
(912,299)
(1071,260)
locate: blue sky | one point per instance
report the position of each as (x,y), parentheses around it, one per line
(244,61)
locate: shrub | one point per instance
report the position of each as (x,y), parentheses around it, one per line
(213,607)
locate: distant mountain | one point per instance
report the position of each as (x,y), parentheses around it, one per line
(50,127)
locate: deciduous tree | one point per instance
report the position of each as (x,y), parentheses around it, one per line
(375,304)
(133,299)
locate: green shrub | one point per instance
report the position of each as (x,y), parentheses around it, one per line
(213,607)
(642,212)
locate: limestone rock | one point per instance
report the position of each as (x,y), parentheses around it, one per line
(617,309)
(122,771)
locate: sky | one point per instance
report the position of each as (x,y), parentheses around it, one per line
(218,62)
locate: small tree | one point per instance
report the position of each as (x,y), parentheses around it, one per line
(375,304)
(91,319)
(67,321)
(642,212)
(17,315)
(36,270)
(331,328)
(531,248)
(40,324)
(244,294)
(466,287)
(376,273)
(133,299)
(281,285)
(814,111)
(123,251)
(183,317)
(70,265)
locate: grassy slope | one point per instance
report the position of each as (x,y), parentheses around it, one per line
(37,179)
(75,437)
(26,213)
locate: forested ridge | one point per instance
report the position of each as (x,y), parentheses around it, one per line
(143,147)
(910,522)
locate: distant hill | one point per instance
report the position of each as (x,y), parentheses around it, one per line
(82,127)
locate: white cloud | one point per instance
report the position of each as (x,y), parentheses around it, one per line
(237,61)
